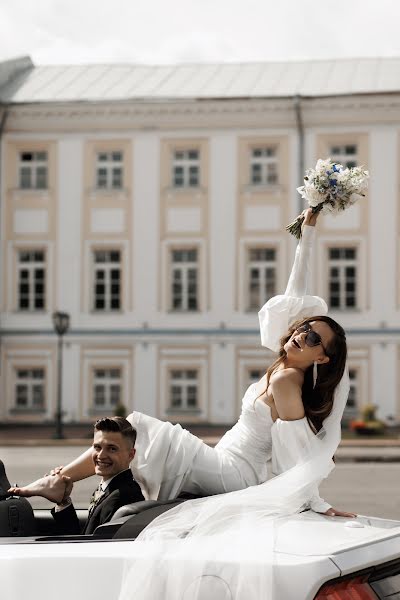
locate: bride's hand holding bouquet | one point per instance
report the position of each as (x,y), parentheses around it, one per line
(330,188)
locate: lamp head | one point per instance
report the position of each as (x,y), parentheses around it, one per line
(60,322)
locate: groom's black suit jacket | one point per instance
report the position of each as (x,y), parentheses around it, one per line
(122,489)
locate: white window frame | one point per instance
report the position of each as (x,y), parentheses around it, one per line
(105,358)
(33,166)
(186,359)
(88,272)
(9,292)
(110,165)
(341,264)
(262,267)
(28,359)
(264,161)
(31,267)
(359,362)
(29,383)
(260,373)
(106,268)
(184,383)
(324,243)
(250,358)
(353,412)
(107,383)
(186,164)
(276,242)
(165,288)
(342,156)
(184,268)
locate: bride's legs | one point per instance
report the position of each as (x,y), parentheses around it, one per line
(81,467)
(215,471)
(170,459)
(52,487)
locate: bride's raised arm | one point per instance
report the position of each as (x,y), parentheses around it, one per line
(281,311)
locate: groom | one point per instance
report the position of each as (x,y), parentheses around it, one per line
(112,451)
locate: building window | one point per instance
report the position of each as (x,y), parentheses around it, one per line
(186,168)
(106,389)
(31,280)
(264,166)
(109,170)
(345,154)
(184,280)
(29,390)
(33,170)
(343,278)
(107,280)
(254,375)
(351,409)
(183,390)
(262,274)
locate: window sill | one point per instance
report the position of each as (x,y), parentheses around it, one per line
(251,189)
(30,311)
(27,411)
(97,312)
(344,310)
(183,411)
(102,192)
(184,190)
(107,410)
(174,311)
(39,193)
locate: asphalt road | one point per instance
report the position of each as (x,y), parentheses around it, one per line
(368,488)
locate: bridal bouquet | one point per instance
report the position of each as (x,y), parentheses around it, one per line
(330,188)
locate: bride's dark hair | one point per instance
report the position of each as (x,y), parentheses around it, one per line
(318,401)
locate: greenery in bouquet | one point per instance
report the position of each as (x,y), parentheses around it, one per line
(330,188)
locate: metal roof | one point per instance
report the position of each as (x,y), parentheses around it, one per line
(117,82)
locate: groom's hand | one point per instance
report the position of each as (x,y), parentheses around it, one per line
(69,484)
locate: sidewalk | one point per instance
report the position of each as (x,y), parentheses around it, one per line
(363,449)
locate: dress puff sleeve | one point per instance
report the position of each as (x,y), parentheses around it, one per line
(292,442)
(281,311)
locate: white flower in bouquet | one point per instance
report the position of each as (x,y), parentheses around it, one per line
(330,188)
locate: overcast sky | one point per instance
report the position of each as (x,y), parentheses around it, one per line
(172,31)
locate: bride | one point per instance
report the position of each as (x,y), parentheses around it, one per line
(292,415)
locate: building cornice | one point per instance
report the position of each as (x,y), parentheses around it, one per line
(202,114)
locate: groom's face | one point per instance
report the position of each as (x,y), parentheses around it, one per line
(111,453)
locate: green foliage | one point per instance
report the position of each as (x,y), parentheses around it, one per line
(120,410)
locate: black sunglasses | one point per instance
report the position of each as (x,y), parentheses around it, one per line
(312,338)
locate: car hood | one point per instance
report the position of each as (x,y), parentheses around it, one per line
(309,549)
(313,534)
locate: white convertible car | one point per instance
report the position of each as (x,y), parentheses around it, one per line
(316,557)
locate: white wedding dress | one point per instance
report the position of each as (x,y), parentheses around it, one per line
(222,546)
(170,460)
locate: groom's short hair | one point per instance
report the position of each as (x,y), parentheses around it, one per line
(117,425)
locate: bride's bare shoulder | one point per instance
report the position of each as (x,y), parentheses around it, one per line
(286,388)
(289,375)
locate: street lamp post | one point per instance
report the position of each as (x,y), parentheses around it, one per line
(61,325)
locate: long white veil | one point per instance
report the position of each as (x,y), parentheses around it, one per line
(223,547)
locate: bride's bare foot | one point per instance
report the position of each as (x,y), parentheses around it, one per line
(51,487)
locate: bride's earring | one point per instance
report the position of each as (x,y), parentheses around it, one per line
(315,374)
